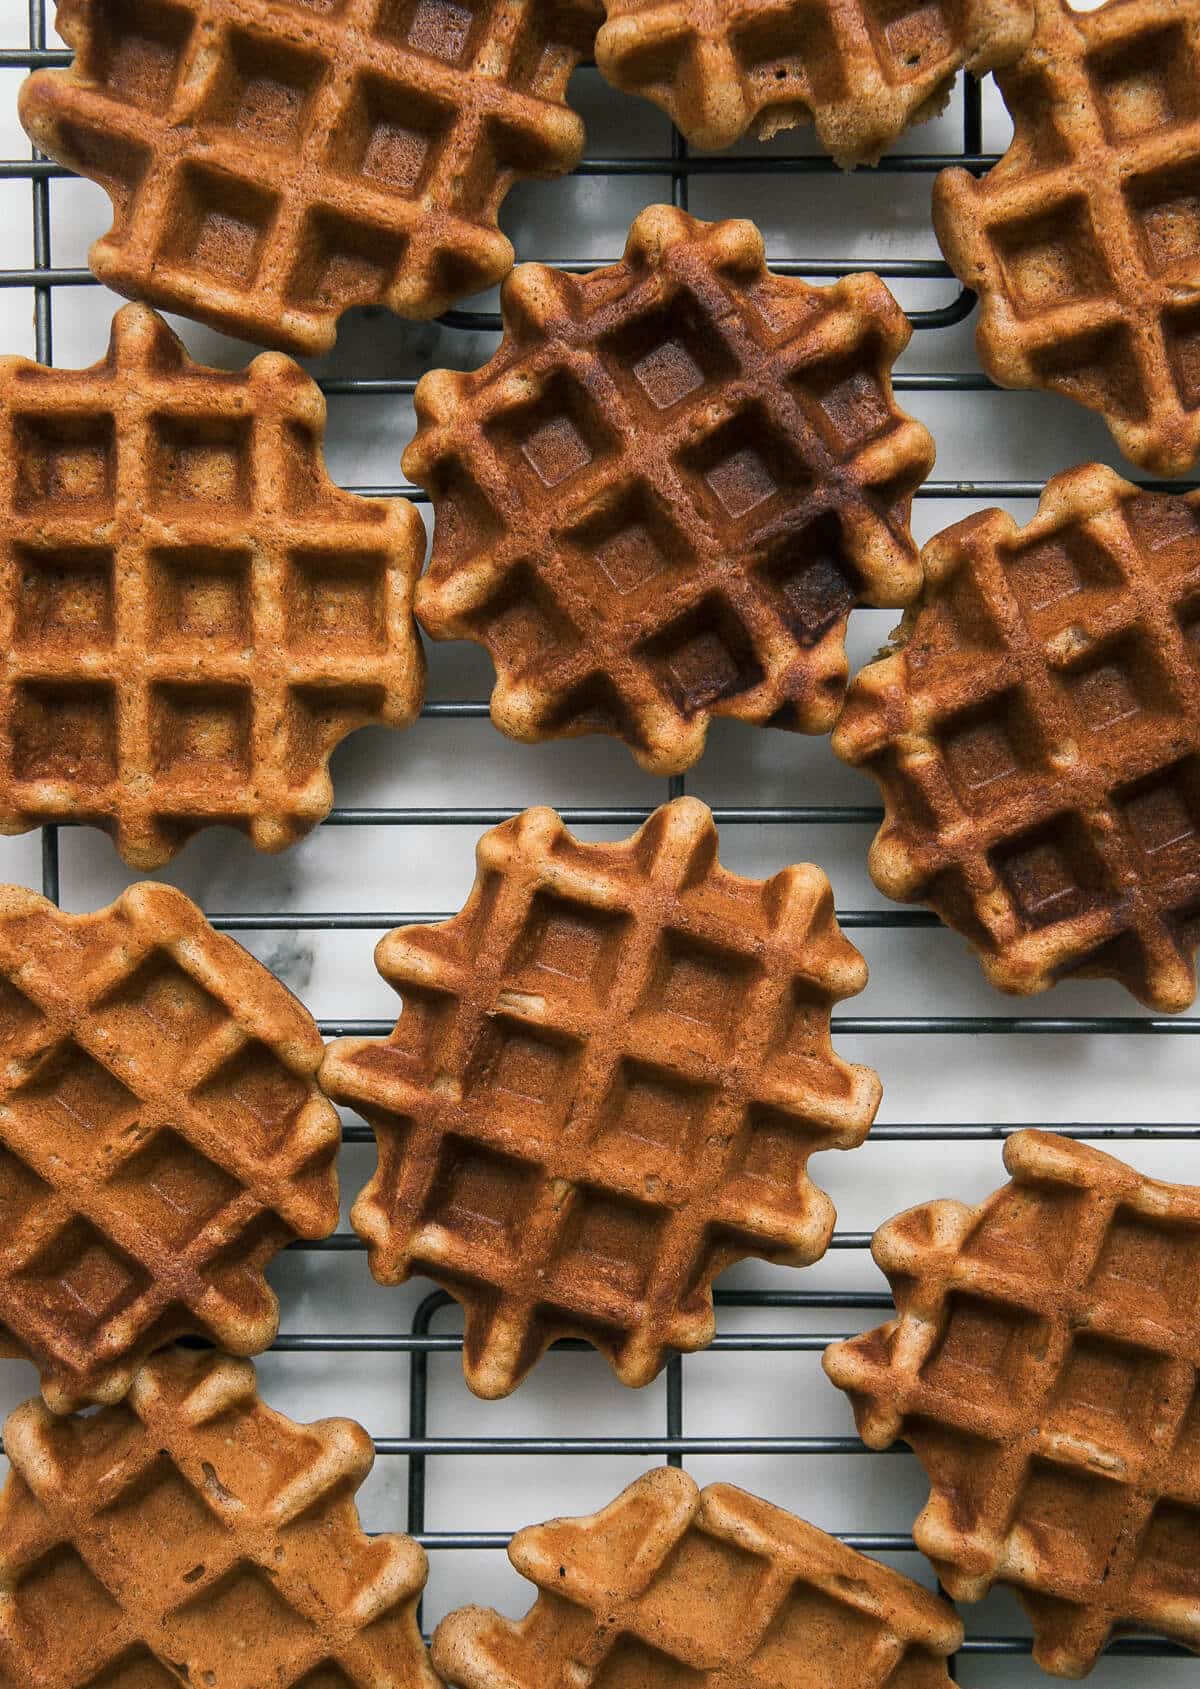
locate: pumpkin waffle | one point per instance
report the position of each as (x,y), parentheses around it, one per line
(859,70)
(1043,1367)
(273,162)
(665,493)
(1084,241)
(162,1137)
(608,1077)
(194,1536)
(191,614)
(1036,733)
(708,1589)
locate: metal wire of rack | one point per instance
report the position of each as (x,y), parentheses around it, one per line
(45,280)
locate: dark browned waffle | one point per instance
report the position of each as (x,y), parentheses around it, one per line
(609,1075)
(191,614)
(162,1137)
(1036,733)
(1043,1368)
(273,162)
(860,70)
(663,496)
(1084,241)
(673,1587)
(192,1536)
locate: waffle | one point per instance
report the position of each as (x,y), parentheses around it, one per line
(1036,734)
(1084,241)
(703,1589)
(194,1536)
(161,1138)
(662,497)
(608,1077)
(1043,1368)
(273,162)
(191,614)
(860,71)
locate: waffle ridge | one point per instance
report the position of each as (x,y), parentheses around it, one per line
(1034,733)
(608,1077)
(272,163)
(192,615)
(663,496)
(860,70)
(1043,1367)
(194,1535)
(162,1137)
(712,1589)
(1084,241)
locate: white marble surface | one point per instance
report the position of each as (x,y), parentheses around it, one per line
(392,870)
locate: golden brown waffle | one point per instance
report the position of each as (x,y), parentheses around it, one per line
(194,1536)
(860,70)
(1084,241)
(162,1137)
(663,496)
(191,614)
(1044,1369)
(609,1075)
(1036,733)
(699,1589)
(273,162)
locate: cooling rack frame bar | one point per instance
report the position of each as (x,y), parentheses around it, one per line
(46,282)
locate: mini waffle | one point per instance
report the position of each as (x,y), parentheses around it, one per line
(1084,241)
(860,71)
(704,1589)
(161,1137)
(1044,1369)
(609,1075)
(193,1536)
(1036,733)
(191,614)
(663,496)
(273,162)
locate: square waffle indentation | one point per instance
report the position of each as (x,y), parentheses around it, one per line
(202,733)
(611,1242)
(245,1604)
(1114,685)
(480,1195)
(336,600)
(807,1612)
(201,460)
(172,1189)
(161,1507)
(706,1582)
(342,262)
(568,949)
(256,1095)
(698,991)
(1165,206)
(1162,816)
(627,540)
(666,355)
(218,224)
(1052,576)
(1144,82)
(526,1069)
(1149,1267)
(811,581)
(1169,1562)
(61,1583)
(555,436)
(80,1282)
(139,49)
(64,460)
(1051,258)
(64,733)
(21,1192)
(83,1102)
(263,90)
(65,597)
(1066,1517)
(442,29)
(632,1664)
(703,656)
(1106,1395)
(986,1353)
(652,1114)
(1053,873)
(389,134)
(178,1008)
(989,746)
(744,465)
(201,593)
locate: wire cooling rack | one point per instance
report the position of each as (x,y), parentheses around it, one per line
(519,1463)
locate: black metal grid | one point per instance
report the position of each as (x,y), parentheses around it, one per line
(44,279)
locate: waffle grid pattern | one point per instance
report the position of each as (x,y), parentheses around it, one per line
(161,1138)
(273,162)
(1084,241)
(709,1589)
(609,1075)
(861,72)
(594,483)
(194,1535)
(192,615)
(1044,1369)
(1037,739)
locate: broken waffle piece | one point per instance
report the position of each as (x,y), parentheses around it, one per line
(663,496)
(674,1585)
(1083,243)
(273,162)
(1043,1368)
(192,614)
(162,1138)
(192,1535)
(860,70)
(1035,730)
(609,1075)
